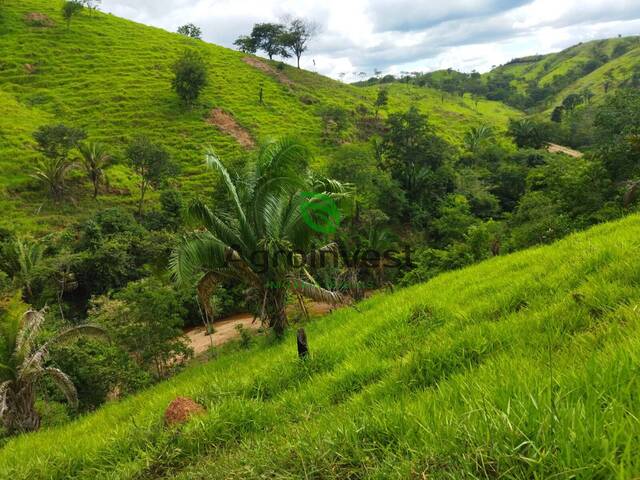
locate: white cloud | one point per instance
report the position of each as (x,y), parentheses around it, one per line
(403,35)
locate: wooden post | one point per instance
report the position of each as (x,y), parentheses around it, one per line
(303,347)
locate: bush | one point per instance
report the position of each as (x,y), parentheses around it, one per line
(190,76)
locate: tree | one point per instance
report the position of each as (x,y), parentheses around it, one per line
(264,238)
(190,76)
(269,37)
(55,142)
(145,318)
(298,33)
(572,101)
(477,137)
(52,173)
(95,159)
(92,5)
(382,99)
(151,162)
(70,9)
(556,115)
(23,364)
(27,257)
(246,44)
(414,155)
(528,133)
(190,30)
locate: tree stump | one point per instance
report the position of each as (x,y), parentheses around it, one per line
(303,346)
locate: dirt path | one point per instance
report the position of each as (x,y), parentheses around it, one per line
(225,329)
(260,65)
(553,148)
(227,124)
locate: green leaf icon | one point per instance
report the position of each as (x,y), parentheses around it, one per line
(320,212)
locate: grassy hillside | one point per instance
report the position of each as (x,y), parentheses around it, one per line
(112,77)
(584,66)
(524,366)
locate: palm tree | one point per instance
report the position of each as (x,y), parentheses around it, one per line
(28,256)
(475,137)
(22,366)
(95,159)
(52,173)
(256,240)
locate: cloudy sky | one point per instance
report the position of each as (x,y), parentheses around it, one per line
(403,35)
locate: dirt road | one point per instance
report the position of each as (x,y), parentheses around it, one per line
(225,329)
(553,148)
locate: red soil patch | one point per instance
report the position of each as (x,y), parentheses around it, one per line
(227,124)
(260,65)
(181,410)
(38,20)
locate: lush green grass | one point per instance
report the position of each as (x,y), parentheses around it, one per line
(112,77)
(525,366)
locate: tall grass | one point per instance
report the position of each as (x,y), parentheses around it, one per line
(524,366)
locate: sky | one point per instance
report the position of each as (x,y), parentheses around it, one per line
(395,36)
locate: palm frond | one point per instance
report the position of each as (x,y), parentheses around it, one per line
(73,333)
(214,163)
(200,213)
(64,383)
(282,158)
(198,253)
(316,292)
(32,320)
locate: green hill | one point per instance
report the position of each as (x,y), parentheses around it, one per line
(524,366)
(112,77)
(598,66)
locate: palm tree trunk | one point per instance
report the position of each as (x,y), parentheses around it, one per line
(275,310)
(22,415)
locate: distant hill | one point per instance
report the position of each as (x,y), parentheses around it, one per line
(598,66)
(540,82)
(112,77)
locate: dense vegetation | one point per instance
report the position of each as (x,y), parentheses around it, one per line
(113,222)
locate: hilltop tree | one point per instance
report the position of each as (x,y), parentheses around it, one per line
(190,30)
(151,162)
(268,37)
(55,143)
(246,44)
(70,9)
(24,366)
(95,159)
(190,76)
(296,38)
(266,219)
(92,5)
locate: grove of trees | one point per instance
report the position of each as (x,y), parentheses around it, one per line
(279,39)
